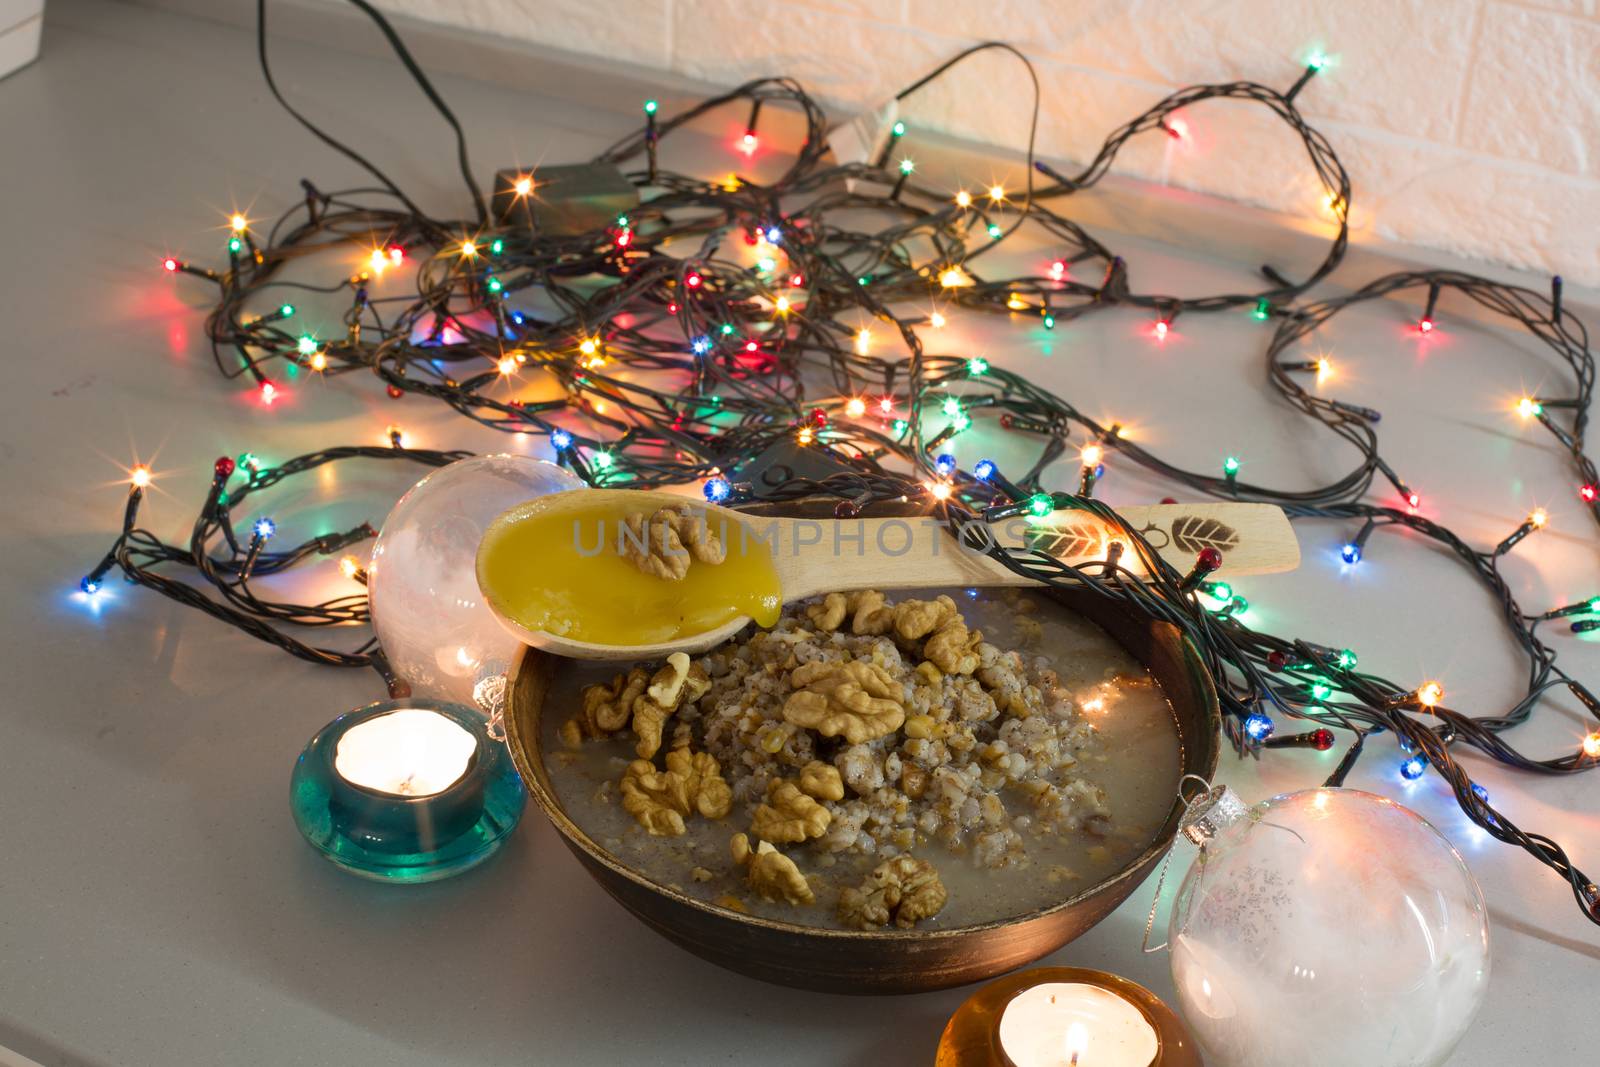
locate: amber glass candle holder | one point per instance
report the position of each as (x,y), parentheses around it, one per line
(972,1036)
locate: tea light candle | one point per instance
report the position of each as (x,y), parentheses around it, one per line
(413,752)
(1065,1017)
(1074,1024)
(408,791)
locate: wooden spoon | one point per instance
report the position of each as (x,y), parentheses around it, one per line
(917,553)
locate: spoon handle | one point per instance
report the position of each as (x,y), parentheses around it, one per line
(823,556)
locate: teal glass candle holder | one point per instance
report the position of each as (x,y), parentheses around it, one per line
(394,803)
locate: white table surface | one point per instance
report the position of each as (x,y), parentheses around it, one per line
(156,904)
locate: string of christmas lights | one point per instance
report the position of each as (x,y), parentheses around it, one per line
(672,356)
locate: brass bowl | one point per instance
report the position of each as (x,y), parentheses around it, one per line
(882,961)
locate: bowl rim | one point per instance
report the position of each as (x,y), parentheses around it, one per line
(523,753)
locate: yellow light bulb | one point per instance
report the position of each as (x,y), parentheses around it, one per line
(782,304)
(806,435)
(954,278)
(936,320)
(1015,302)
(348,566)
(963,199)
(507,365)
(1591,746)
(997,193)
(588,347)
(1538,517)
(319,362)
(239,223)
(856,407)
(1091,455)
(940,490)
(1527,407)
(863,341)
(394,435)
(139,476)
(523,185)
(469,249)
(1324,369)
(1429,694)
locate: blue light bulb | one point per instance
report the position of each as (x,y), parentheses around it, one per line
(1480,792)
(774,235)
(984,469)
(1412,768)
(701,345)
(561,439)
(945,464)
(265,528)
(89,585)
(1258,725)
(717,490)
(1351,553)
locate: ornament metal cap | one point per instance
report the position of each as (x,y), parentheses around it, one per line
(1208,814)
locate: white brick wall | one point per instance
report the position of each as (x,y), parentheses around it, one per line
(1471,126)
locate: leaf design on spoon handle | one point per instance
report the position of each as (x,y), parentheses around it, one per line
(1193,533)
(1067,542)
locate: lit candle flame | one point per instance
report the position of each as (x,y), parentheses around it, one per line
(1077,1041)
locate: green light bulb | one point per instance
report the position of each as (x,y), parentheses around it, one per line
(1222,590)
(977,366)
(1239,605)
(1594,605)
(1347,659)
(727,328)
(1317,61)
(603,460)
(1230,465)
(234,244)
(1263,309)
(994,230)
(906,166)
(497,247)
(1049,322)
(900,426)
(961,422)
(650,107)
(286,310)
(767,266)
(622,221)
(1321,691)
(494,285)
(952,406)
(307,345)
(1041,504)
(899,129)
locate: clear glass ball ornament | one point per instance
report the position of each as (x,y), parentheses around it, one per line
(434,627)
(1329,926)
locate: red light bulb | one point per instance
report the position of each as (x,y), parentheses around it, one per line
(1588,492)
(269,392)
(1322,739)
(693,281)
(1425,326)
(747,143)
(170,264)
(1162,325)
(672,309)
(1414,498)
(223,467)
(624,238)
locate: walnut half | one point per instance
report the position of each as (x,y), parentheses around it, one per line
(857,700)
(904,890)
(663,544)
(789,816)
(771,874)
(677,683)
(661,800)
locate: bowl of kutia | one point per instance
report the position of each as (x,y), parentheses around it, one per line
(889,960)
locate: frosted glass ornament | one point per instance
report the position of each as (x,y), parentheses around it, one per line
(426,609)
(1329,926)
